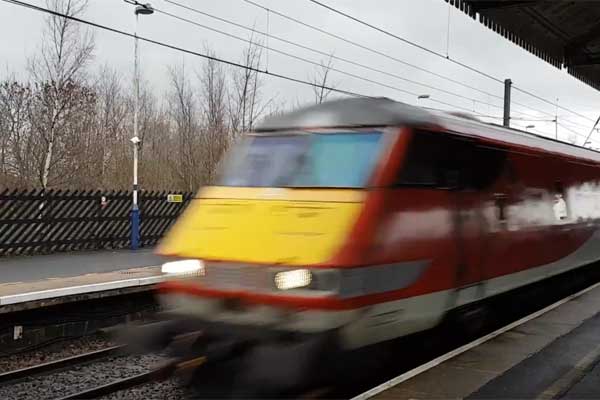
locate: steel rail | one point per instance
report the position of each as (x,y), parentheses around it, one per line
(158,374)
(58,364)
(114,386)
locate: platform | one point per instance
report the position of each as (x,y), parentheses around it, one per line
(29,282)
(554,353)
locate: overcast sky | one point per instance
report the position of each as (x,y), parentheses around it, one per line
(421,21)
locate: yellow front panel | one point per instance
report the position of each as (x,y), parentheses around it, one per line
(262,225)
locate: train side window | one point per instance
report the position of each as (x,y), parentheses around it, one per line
(443,160)
(560,208)
(422,158)
(488,163)
(501,203)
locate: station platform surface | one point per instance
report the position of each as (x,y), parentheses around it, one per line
(555,353)
(36,279)
(61,265)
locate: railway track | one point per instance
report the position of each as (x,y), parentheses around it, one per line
(115,386)
(56,365)
(158,374)
(419,357)
(511,306)
(89,375)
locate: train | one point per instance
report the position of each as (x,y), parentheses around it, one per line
(359,221)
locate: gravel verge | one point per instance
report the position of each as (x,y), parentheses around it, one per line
(80,377)
(166,390)
(53,352)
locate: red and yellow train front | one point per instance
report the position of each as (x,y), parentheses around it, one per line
(285,239)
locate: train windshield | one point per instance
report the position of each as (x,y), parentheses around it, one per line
(344,160)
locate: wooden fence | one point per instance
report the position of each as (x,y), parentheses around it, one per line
(48,221)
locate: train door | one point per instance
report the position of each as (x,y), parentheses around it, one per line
(452,178)
(472,169)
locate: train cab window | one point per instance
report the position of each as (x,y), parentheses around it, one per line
(446,161)
(303,160)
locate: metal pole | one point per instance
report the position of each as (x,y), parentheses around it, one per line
(591,131)
(136,82)
(507,88)
(556,121)
(135,212)
(135,175)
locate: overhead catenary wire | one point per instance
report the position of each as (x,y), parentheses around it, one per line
(177,48)
(388,56)
(187,51)
(356,44)
(579,134)
(573,131)
(548,120)
(531,120)
(209,57)
(551,103)
(591,131)
(409,42)
(303,59)
(433,52)
(563,121)
(323,53)
(206,56)
(571,123)
(540,133)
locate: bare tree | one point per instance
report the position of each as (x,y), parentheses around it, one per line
(214,139)
(54,115)
(214,91)
(15,162)
(161,164)
(245,102)
(69,126)
(111,113)
(321,80)
(59,74)
(158,166)
(183,112)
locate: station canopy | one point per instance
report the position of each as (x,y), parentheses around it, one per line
(566,34)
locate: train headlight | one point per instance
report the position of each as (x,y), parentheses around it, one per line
(293,279)
(184,267)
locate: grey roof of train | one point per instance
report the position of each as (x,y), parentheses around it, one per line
(350,112)
(371,112)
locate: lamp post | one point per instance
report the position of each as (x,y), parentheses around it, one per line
(140,9)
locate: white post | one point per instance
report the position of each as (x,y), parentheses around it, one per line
(135,175)
(144,9)
(135,212)
(136,83)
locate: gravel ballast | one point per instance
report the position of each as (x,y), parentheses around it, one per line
(82,377)
(53,352)
(166,390)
